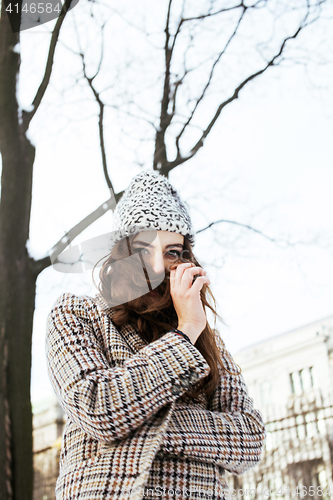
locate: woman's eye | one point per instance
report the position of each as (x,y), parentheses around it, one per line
(173,253)
(142,250)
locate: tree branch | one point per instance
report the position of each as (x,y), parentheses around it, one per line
(251,228)
(132,115)
(179,27)
(235,95)
(203,93)
(227,9)
(28,115)
(168,166)
(102,53)
(38,266)
(175,90)
(160,157)
(90,81)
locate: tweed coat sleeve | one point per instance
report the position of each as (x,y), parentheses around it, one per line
(230,433)
(110,402)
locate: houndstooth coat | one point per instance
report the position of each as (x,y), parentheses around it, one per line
(132,432)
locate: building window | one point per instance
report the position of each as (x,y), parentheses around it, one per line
(306,379)
(301,381)
(266,393)
(311,427)
(321,423)
(300,427)
(295,380)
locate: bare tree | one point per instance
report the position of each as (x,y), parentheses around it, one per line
(195,47)
(17,269)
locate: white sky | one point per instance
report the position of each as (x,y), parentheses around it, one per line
(268,162)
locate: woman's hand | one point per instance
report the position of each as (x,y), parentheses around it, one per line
(186,298)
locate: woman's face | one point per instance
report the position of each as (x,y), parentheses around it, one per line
(158,255)
(161,253)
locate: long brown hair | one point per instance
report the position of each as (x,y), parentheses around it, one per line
(152,319)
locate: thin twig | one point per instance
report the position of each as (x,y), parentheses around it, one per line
(212,14)
(235,96)
(28,115)
(90,81)
(203,93)
(253,229)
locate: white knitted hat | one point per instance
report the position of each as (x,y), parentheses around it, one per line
(150,202)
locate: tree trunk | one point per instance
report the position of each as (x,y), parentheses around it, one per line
(17,291)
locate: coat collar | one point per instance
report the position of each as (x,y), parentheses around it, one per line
(128,333)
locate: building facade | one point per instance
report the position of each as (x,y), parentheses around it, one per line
(290,378)
(48,424)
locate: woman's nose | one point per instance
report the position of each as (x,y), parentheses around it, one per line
(157,263)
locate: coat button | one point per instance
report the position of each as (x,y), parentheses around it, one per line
(175,389)
(184,382)
(193,377)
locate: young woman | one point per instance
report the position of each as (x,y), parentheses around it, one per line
(156,406)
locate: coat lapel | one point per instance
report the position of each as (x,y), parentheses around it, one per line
(120,342)
(146,441)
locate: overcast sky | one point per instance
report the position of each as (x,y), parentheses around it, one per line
(267,163)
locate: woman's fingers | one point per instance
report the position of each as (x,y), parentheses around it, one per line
(184,274)
(185,293)
(200,282)
(189,273)
(176,274)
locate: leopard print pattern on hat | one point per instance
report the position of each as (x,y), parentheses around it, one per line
(151,202)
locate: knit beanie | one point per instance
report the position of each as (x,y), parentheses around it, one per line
(151,202)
